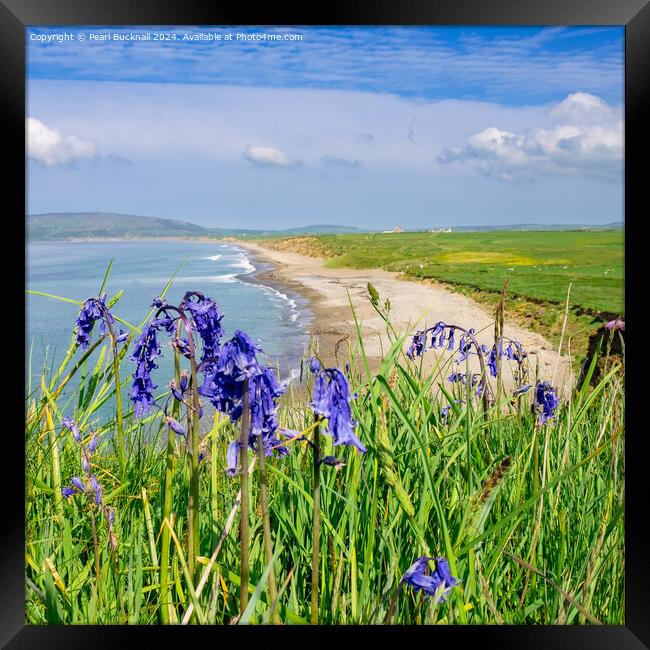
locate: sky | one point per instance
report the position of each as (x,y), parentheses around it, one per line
(373,127)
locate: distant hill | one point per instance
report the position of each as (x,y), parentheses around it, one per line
(616,225)
(90,225)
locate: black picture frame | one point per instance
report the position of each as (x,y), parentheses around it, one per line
(16,15)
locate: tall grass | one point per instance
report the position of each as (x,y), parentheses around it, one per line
(530,518)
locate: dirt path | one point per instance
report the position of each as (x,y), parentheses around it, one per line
(414,305)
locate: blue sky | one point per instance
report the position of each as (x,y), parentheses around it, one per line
(367,126)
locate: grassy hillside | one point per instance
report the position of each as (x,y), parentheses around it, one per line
(538,265)
(83,225)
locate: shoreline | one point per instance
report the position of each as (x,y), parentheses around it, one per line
(329,292)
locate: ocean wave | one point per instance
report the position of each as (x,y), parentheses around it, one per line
(213,258)
(293,305)
(224,277)
(242,262)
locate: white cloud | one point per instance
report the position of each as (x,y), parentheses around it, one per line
(50,148)
(587,141)
(269,157)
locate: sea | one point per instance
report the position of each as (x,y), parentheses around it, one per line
(276,318)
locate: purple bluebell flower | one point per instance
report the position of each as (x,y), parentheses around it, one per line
(85,462)
(92,310)
(456,377)
(68,492)
(72,426)
(616,324)
(546,402)
(175,426)
(146,351)
(232,458)
(521,390)
(97,489)
(492,362)
(176,392)
(419,579)
(206,317)
(450,344)
(332,461)
(184,381)
(417,345)
(159,302)
(121,336)
(331,400)
(76,482)
(182,346)
(92,445)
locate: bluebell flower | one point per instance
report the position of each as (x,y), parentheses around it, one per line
(92,445)
(76,482)
(206,317)
(146,351)
(521,390)
(546,402)
(97,489)
(331,400)
(182,346)
(492,362)
(450,344)
(417,345)
(333,461)
(159,302)
(223,385)
(68,492)
(232,458)
(72,426)
(91,311)
(419,579)
(175,426)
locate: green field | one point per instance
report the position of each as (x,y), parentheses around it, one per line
(538,264)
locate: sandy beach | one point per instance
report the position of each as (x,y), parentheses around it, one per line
(414,305)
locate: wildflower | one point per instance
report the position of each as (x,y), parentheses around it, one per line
(146,351)
(68,492)
(331,400)
(76,485)
(93,310)
(72,426)
(232,458)
(97,489)
(418,578)
(175,426)
(182,346)
(616,324)
(333,461)
(521,390)
(92,445)
(206,317)
(546,402)
(492,362)
(417,345)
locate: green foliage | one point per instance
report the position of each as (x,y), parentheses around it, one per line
(530,518)
(538,264)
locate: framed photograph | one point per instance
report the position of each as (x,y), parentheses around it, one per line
(325,322)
